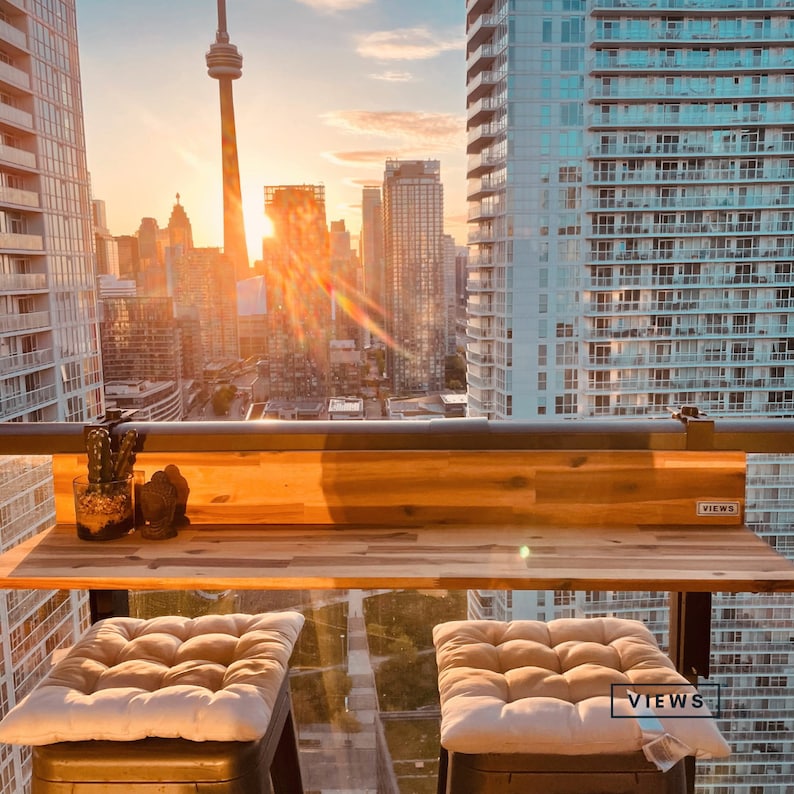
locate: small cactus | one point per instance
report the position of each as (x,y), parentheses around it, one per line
(126,453)
(103,464)
(100,461)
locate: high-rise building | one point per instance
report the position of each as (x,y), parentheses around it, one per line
(50,365)
(630,169)
(105,245)
(641,257)
(142,357)
(296,262)
(413,224)
(129,260)
(370,245)
(204,280)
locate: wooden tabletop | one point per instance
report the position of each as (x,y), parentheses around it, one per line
(685,558)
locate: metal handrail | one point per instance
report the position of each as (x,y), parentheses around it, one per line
(749,435)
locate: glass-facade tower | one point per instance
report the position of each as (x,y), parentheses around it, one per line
(50,367)
(631,165)
(413,249)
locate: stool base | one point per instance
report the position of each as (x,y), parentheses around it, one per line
(508,773)
(175,766)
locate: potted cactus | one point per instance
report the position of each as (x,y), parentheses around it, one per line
(103,497)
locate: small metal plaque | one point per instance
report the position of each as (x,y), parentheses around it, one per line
(718,508)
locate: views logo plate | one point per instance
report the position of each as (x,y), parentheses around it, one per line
(718,508)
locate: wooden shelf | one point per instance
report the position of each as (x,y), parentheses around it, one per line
(276,557)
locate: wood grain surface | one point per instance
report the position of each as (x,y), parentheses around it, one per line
(505,519)
(424,487)
(719,559)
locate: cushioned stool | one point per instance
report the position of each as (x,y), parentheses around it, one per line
(533,706)
(167,705)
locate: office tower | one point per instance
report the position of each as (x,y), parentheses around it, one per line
(631,176)
(129,260)
(142,357)
(448,248)
(413,224)
(180,230)
(252,317)
(296,262)
(224,64)
(50,365)
(106,247)
(371,250)
(204,280)
(149,250)
(345,354)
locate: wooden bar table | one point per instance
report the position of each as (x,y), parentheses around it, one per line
(497,557)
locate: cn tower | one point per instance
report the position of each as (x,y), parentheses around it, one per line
(224,64)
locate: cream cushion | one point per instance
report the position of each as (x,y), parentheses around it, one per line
(211,678)
(532,687)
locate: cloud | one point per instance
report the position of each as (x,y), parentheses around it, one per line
(361,181)
(362,157)
(394,77)
(407,44)
(438,131)
(331,6)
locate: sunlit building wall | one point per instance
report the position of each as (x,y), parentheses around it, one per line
(371,250)
(204,281)
(413,231)
(296,262)
(142,356)
(630,185)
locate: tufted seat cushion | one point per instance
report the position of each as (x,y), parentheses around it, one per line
(211,678)
(534,687)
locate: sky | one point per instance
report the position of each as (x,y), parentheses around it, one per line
(330,89)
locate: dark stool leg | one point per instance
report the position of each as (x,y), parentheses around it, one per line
(285,770)
(443,767)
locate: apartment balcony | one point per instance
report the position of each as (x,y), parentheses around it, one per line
(477,6)
(21,242)
(18,157)
(22,362)
(484,108)
(477,329)
(681,115)
(22,282)
(688,6)
(12,76)
(485,186)
(656,455)
(16,117)
(653,34)
(30,401)
(483,235)
(479,284)
(484,83)
(483,57)
(483,28)
(484,135)
(478,358)
(482,212)
(14,36)
(32,321)
(19,198)
(688,62)
(480,308)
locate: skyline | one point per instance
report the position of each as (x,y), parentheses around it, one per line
(397,90)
